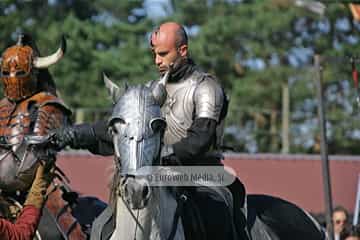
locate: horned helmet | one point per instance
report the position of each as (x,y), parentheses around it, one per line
(20,65)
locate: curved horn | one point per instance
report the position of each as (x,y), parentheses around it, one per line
(44,62)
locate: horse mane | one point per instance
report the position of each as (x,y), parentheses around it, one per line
(113,185)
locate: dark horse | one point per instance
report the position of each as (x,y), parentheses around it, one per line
(144,211)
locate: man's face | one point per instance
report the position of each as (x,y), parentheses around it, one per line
(165,55)
(164,48)
(339,221)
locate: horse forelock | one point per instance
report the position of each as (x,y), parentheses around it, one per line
(114,181)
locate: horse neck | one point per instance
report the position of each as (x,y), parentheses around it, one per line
(153,222)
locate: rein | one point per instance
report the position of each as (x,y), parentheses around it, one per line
(138,224)
(178,212)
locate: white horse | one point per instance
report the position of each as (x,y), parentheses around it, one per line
(140,211)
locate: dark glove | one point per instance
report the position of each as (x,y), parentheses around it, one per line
(171,160)
(76,136)
(42,148)
(47,156)
(63,137)
(168,157)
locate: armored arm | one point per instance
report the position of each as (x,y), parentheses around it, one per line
(209,99)
(93,137)
(53,116)
(49,117)
(200,138)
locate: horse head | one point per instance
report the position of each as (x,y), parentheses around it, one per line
(136,125)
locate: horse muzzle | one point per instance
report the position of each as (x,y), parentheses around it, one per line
(135,191)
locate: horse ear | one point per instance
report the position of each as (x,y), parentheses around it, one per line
(115,91)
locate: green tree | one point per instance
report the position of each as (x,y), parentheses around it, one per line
(255,48)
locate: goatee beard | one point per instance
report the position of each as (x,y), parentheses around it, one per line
(174,66)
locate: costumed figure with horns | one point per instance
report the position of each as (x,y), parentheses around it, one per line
(30,107)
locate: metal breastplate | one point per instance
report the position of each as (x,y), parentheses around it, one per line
(179,108)
(17,164)
(14,124)
(198,96)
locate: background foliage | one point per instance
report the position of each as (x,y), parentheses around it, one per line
(256,48)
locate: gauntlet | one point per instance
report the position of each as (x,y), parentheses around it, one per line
(44,176)
(76,136)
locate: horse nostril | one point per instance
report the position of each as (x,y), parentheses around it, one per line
(145,192)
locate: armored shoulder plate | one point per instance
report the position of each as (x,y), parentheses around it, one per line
(52,113)
(198,96)
(209,98)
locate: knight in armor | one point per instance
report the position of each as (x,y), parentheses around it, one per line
(194,110)
(30,107)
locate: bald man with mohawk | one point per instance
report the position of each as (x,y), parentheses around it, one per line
(194,110)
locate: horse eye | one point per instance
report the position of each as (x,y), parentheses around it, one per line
(113,130)
(5,73)
(157,124)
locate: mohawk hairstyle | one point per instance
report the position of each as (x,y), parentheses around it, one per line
(181,36)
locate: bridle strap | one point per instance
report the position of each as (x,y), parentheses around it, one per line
(132,215)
